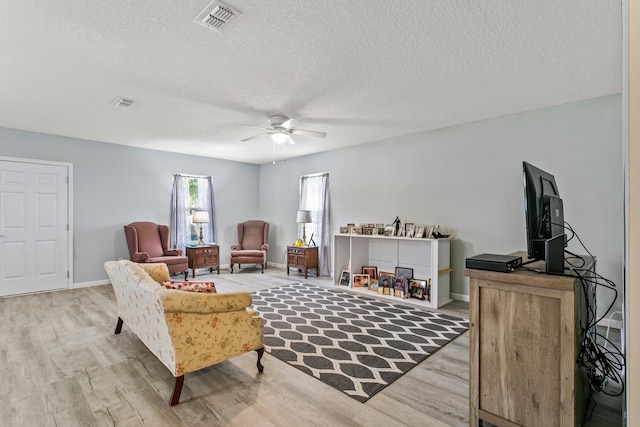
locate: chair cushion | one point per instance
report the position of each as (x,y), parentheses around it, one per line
(170,260)
(205,287)
(248,253)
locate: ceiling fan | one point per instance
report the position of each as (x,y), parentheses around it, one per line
(281,128)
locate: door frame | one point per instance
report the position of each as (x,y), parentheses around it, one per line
(69,167)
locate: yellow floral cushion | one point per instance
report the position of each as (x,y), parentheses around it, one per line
(205,287)
(157,270)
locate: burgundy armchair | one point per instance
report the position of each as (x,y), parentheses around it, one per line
(252,246)
(149,242)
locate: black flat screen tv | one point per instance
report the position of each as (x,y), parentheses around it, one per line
(544,215)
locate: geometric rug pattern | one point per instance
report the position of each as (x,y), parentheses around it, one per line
(356,344)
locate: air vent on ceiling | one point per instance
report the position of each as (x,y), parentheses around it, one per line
(124,102)
(217,15)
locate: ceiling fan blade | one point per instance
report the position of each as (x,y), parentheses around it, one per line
(252,137)
(290,123)
(255,127)
(308,133)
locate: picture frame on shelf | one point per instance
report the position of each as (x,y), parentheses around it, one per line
(420,231)
(401,283)
(360,280)
(385,281)
(405,272)
(344,230)
(372,271)
(345,278)
(374,285)
(417,289)
(389,230)
(410,229)
(385,273)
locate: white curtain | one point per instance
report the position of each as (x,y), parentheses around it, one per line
(191,193)
(314,196)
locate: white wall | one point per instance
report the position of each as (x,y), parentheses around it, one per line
(114,185)
(465,178)
(468,179)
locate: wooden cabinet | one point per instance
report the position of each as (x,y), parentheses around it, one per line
(204,257)
(302,257)
(429,259)
(525,334)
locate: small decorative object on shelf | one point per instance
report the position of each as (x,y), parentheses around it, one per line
(396,225)
(360,280)
(396,229)
(405,272)
(401,287)
(419,289)
(371,271)
(345,278)
(409,229)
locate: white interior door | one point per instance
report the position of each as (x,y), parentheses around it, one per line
(34,227)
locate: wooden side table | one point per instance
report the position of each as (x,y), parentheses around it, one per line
(204,257)
(302,257)
(526,329)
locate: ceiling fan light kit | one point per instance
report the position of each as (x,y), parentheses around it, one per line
(281,128)
(281,137)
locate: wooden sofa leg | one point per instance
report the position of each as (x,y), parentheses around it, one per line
(177,389)
(231,268)
(186,274)
(260,352)
(118,326)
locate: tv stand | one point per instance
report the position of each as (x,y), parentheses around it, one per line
(526,329)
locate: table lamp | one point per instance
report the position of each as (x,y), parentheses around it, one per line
(200,217)
(304,217)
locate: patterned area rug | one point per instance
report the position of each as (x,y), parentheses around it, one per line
(356,344)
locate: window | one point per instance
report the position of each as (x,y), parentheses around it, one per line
(314,196)
(191,193)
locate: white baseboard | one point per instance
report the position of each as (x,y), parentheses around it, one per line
(275,264)
(459,297)
(90,284)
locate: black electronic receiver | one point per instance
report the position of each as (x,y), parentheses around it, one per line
(493,262)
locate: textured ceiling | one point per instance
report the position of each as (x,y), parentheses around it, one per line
(361,71)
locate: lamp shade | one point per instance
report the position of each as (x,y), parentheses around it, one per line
(200,217)
(303,216)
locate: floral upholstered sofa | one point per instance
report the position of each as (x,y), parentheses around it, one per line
(186,331)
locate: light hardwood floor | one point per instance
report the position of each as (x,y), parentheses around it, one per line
(61,365)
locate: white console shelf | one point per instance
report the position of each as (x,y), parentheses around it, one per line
(429,258)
